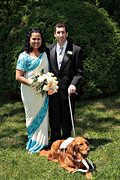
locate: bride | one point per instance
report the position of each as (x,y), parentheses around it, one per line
(30,62)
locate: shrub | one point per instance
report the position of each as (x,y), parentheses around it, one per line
(89,27)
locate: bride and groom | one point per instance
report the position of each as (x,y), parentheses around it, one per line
(64,60)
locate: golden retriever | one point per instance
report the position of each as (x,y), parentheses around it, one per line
(71,157)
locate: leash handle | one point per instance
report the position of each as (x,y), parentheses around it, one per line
(73,127)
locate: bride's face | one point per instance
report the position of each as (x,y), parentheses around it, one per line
(35,40)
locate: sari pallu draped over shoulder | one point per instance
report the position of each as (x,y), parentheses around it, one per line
(36,106)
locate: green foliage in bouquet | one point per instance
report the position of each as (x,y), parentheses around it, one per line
(45,83)
(38,87)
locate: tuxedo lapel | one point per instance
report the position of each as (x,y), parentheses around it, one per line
(65,60)
(66,57)
(53,57)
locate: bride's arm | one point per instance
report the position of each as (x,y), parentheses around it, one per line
(20,77)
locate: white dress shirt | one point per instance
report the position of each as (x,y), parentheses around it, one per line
(60,55)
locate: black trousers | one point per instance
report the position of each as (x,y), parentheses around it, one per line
(59,115)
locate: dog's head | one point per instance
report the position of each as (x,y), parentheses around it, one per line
(79,147)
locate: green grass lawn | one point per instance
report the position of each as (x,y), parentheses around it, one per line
(98,120)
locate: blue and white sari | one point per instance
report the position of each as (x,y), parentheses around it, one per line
(36,105)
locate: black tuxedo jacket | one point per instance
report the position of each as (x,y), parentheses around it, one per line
(71,70)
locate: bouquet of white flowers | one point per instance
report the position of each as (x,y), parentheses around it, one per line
(45,83)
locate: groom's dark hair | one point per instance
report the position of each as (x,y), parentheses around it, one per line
(61,24)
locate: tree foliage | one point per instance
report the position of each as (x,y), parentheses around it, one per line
(89,27)
(112,7)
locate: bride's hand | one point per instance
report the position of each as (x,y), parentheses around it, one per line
(30,81)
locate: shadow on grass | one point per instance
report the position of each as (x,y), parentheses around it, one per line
(15,142)
(13,130)
(101,125)
(96,124)
(95,143)
(6,100)
(98,116)
(109,102)
(12,135)
(12,112)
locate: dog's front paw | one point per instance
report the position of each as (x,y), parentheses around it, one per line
(74,170)
(88,175)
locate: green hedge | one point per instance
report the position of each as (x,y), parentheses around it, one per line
(89,27)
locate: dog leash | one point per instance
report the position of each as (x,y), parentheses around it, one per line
(73,127)
(88,164)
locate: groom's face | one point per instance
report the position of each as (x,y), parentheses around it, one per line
(61,35)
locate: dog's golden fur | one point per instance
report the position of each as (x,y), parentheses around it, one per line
(71,157)
(53,153)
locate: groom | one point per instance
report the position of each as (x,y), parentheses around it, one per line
(65,61)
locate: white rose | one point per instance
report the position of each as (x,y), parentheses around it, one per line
(45,88)
(41,79)
(49,74)
(50,79)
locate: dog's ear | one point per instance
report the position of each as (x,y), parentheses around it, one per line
(70,148)
(76,148)
(87,142)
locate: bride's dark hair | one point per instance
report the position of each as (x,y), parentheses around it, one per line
(28,48)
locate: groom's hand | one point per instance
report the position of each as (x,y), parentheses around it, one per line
(71,89)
